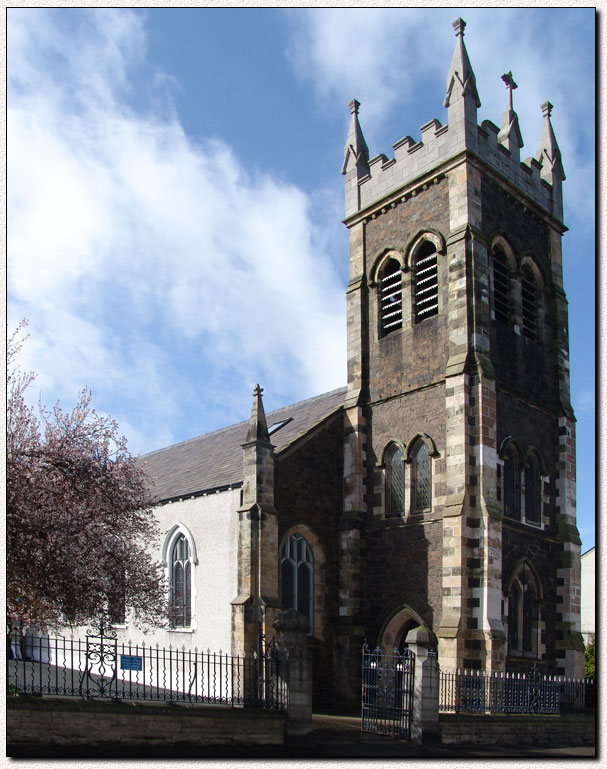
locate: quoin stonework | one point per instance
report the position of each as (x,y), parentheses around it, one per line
(437,488)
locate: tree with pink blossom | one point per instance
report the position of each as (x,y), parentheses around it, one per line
(80,523)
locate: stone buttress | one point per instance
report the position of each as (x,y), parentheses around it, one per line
(257,603)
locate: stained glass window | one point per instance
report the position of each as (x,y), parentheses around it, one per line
(181,583)
(297,577)
(395,481)
(421,481)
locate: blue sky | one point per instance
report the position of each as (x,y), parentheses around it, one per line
(175,197)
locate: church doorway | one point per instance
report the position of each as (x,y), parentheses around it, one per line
(394,633)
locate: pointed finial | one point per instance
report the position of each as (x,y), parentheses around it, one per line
(356,152)
(548,156)
(548,152)
(461,81)
(459,25)
(258,427)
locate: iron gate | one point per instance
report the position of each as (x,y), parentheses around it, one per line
(387,691)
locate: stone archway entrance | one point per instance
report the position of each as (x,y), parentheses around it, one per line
(395,630)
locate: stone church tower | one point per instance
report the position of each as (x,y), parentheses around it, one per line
(459,436)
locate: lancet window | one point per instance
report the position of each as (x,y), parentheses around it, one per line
(297,577)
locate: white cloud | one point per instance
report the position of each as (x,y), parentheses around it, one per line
(366,53)
(121,230)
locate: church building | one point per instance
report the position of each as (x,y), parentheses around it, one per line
(437,487)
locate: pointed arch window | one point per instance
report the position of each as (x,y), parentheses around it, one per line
(529,301)
(297,577)
(501,286)
(425,281)
(512,482)
(514,602)
(180,583)
(391,297)
(395,481)
(523,613)
(421,477)
(533,490)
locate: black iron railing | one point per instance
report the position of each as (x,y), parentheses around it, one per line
(475,691)
(98,666)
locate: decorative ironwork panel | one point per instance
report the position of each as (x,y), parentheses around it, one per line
(99,676)
(387,691)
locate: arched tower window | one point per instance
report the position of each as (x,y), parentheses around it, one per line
(501,285)
(523,613)
(297,577)
(425,281)
(180,582)
(512,483)
(390,297)
(533,490)
(421,477)
(529,301)
(395,480)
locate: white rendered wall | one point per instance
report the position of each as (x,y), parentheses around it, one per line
(588,596)
(212,521)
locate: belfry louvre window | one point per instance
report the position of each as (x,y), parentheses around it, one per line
(391,297)
(421,477)
(395,481)
(297,577)
(425,281)
(181,583)
(529,296)
(501,286)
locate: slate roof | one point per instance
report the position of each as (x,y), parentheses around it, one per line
(214,460)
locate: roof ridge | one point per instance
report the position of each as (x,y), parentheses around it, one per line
(243,422)
(307,400)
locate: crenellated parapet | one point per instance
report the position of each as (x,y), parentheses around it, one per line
(383,179)
(525,175)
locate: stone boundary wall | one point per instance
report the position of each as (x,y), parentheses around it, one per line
(35,725)
(469,728)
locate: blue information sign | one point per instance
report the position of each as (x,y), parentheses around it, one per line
(129,662)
